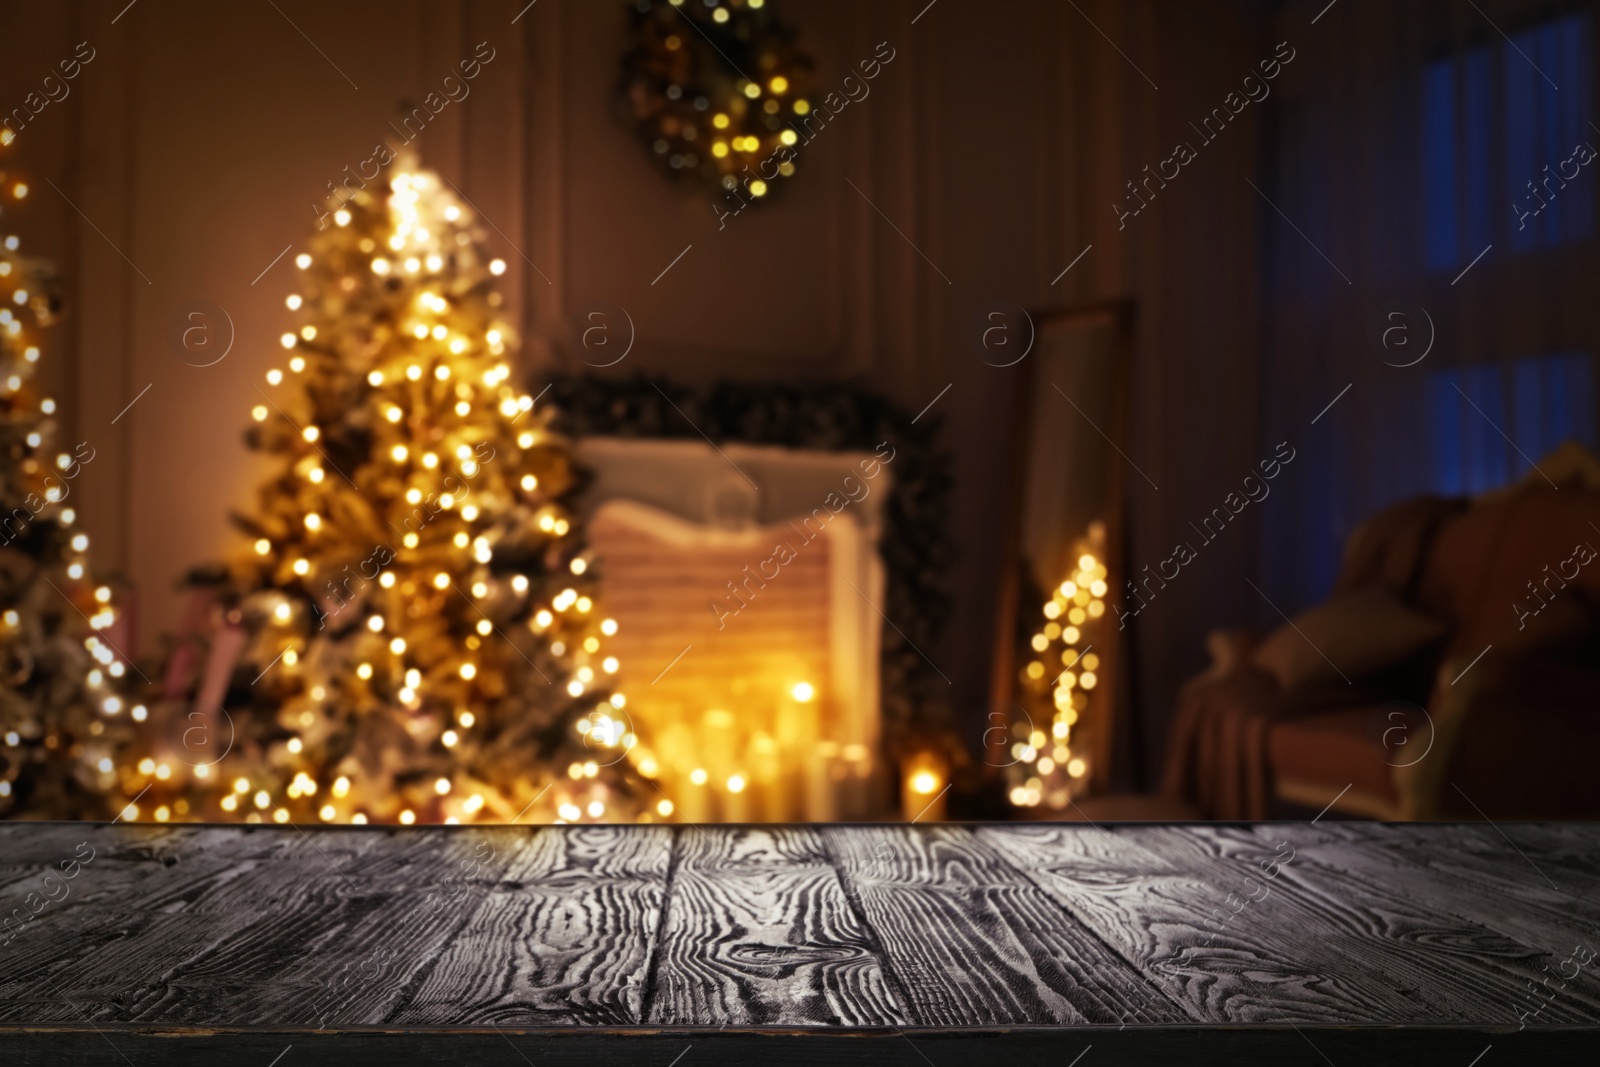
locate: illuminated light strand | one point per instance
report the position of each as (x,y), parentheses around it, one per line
(442,378)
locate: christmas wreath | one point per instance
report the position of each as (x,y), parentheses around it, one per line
(713,88)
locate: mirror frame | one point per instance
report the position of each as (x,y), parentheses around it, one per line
(1112,757)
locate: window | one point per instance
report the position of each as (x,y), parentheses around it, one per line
(1500,130)
(1538,403)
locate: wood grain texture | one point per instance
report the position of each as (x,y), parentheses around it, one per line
(972,941)
(1163,902)
(1440,967)
(143,903)
(1044,938)
(760,932)
(327,927)
(1473,875)
(1523,862)
(563,935)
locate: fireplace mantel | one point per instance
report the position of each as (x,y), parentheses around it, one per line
(737,574)
(732,484)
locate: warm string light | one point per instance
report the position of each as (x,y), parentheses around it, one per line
(1044,766)
(467,486)
(70,738)
(699,117)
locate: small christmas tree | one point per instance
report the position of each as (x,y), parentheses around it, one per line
(1045,758)
(63,711)
(416,634)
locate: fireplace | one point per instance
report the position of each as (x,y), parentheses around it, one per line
(744,581)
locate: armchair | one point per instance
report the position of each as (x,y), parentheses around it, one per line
(1500,716)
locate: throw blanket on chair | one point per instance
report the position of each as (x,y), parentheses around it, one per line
(1217,741)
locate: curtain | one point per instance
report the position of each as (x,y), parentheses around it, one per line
(1407,157)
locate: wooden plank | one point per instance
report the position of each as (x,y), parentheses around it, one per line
(1538,901)
(1567,866)
(564,935)
(994,939)
(1495,887)
(270,926)
(136,880)
(973,942)
(759,933)
(1388,922)
(34,852)
(395,909)
(1151,902)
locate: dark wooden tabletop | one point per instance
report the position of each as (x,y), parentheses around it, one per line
(1281,943)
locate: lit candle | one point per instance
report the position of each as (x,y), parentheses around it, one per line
(736,801)
(856,800)
(821,799)
(797,731)
(694,801)
(924,780)
(766,783)
(717,744)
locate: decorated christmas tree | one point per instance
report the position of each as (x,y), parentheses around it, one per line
(410,634)
(63,709)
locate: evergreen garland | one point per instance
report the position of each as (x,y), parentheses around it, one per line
(712,87)
(916,546)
